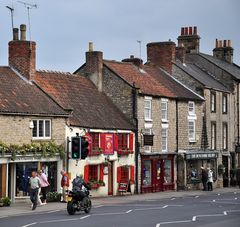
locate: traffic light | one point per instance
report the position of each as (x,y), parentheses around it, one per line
(84,148)
(76,147)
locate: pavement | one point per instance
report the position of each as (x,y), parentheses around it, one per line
(23,207)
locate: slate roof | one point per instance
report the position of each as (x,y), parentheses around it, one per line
(18,96)
(151,80)
(91,108)
(232,69)
(201,75)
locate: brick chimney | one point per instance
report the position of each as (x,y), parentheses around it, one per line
(189,39)
(181,53)
(22,54)
(136,61)
(162,54)
(94,66)
(223,50)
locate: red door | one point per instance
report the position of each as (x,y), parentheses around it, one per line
(110,178)
(157,175)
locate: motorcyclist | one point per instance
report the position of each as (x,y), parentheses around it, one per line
(78,186)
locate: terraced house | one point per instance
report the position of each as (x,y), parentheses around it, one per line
(168,115)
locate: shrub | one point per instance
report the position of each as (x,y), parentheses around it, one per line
(5,201)
(53,197)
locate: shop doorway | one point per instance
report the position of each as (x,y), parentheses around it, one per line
(110,178)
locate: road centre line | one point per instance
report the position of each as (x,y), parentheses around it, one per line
(127,212)
(34,223)
(98,206)
(85,217)
(53,211)
(173,198)
(172,222)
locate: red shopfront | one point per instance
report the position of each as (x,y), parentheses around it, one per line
(157,173)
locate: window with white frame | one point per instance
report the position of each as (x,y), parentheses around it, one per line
(148,109)
(191,108)
(41,129)
(164,110)
(213,102)
(148,131)
(225,136)
(164,140)
(191,131)
(224,103)
(213,136)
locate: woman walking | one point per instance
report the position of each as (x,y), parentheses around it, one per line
(44,185)
(210,179)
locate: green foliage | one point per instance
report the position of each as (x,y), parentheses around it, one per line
(40,150)
(5,201)
(53,197)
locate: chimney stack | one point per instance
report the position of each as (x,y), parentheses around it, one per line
(94,66)
(181,53)
(189,39)
(22,54)
(136,61)
(162,54)
(223,50)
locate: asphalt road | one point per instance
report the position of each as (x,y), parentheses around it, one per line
(210,209)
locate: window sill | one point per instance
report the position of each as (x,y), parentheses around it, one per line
(165,121)
(192,117)
(192,141)
(41,138)
(148,120)
(124,152)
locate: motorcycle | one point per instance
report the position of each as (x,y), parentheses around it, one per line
(79,201)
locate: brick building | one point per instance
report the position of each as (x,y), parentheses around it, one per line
(216,78)
(168,115)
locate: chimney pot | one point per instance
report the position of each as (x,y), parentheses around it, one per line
(182,30)
(220,43)
(229,43)
(186,31)
(131,56)
(190,30)
(23,32)
(195,30)
(224,43)
(90,46)
(216,43)
(15,34)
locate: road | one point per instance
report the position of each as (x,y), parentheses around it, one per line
(210,209)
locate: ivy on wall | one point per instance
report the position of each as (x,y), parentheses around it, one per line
(38,150)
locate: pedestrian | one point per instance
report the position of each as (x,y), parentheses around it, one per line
(238,176)
(204,178)
(34,188)
(64,185)
(210,179)
(44,185)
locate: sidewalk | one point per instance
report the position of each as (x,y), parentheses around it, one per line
(23,207)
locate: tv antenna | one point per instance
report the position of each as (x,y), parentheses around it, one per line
(140,48)
(11,11)
(28,6)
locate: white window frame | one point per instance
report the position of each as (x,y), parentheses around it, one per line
(148,149)
(213,100)
(164,116)
(44,123)
(191,112)
(149,100)
(193,137)
(224,103)
(225,136)
(166,145)
(213,135)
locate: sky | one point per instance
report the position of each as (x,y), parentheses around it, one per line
(62,29)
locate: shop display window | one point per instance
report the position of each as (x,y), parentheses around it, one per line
(168,171)
(147,173)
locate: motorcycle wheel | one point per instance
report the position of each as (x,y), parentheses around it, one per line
(70,209)
(88,205)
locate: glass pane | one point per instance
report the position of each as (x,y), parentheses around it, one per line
(40,128)
(158,170)
(47,128)
(167,171)
(34,131)
(147,173)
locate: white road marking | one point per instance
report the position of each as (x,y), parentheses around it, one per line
(214,200)
(165,206)
(149,208)
(172,222)
(3,217)
(236,198)
(173,198)
(34,223)
(85,217)
(218,194)
(98,206)
(225,212)
(196,196)
(194,218)
(150,200)
(58,220)
(235,193)
(231,211)
(103,214)
(127,212)
(52,211)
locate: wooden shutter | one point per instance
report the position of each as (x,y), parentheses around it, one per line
(101,172)
(119,171)
(103,141)
(131,142)
(132,172)
(89,139)
(115,142)
(86,173)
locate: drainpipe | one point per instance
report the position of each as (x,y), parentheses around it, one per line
(177,142)
(238,129)
(134,100)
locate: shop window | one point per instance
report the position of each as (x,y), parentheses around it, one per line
(191,131)
(93,173)
(213,102)
(168,171)
(213,136)
(41,129)
(147,109)
(122,141)
(95,140)
(124,173)
(191,108)
(224,104)
(147,173)
(164,110)
(147,131)
(164,139)
(225,136)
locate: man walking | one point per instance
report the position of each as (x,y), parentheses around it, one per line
(65,185)
(204,178)
(34,187)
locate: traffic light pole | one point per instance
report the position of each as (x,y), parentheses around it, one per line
(68,153)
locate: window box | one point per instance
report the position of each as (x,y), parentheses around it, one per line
(124,152)
(94,185)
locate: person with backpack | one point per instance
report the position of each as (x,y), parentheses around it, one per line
(77,186)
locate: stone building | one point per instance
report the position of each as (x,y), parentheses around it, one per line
(30,123)
(216,78)
(168,116)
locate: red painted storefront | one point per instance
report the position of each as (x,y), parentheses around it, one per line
(157,173)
